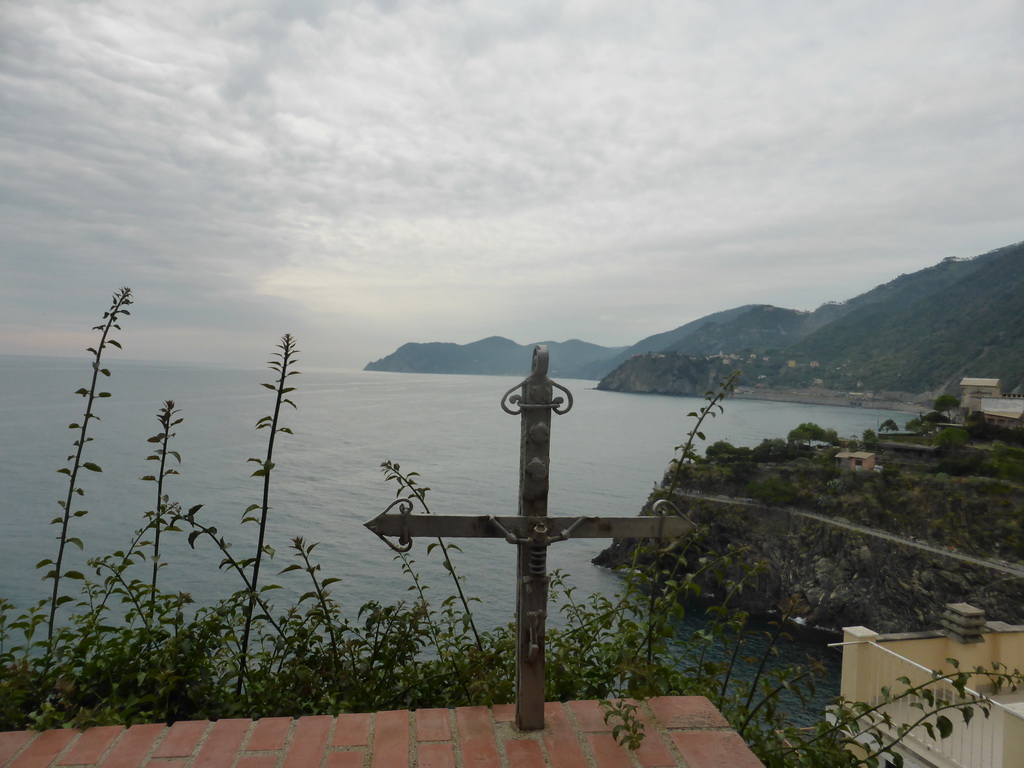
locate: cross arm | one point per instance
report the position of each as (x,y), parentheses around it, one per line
(406,526)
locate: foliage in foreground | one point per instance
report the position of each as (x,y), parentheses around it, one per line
(131,651)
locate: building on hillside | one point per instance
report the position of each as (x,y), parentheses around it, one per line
(908,456)
(856,460)
(1003,411)
(973,390)
(872,661)
(985,396)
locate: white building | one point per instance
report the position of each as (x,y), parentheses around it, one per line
(985,396)
(872,661)
(973,390)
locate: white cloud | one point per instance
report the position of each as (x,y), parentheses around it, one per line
(397,171)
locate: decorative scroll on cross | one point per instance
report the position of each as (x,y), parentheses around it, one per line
(532,531)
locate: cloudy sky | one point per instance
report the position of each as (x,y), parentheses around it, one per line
(363,174)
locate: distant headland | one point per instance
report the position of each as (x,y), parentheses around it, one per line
(899,344)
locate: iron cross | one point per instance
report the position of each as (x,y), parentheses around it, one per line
(532,531)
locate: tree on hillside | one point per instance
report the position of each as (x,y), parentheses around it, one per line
(889,426)
(724,452)
(952,438)
(946,405)
(808,433)
(775,491)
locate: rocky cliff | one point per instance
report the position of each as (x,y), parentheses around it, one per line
(665,374)
(847,578)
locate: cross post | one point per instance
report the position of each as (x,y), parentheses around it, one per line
(532,531)
(535,404)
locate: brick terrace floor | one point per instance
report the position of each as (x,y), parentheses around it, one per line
(684,731)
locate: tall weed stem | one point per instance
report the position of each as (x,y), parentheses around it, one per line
(712,408)
(393,471)
(166,417)
(118,307)
(285,358)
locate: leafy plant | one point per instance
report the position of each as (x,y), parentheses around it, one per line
(409,481)
(285,358)
(118,308)
(628,730)
(686,452)
(168,418)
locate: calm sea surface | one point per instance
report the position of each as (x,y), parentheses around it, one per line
(607,453)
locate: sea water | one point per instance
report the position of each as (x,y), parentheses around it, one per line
(606,455)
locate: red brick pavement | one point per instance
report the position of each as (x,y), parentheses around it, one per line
(680,732)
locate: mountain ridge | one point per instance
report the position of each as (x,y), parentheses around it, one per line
(918,334)
(492,356)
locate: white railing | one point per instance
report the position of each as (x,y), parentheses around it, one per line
(975,745)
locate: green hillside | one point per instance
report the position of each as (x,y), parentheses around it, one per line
(760,327)
(659,342)
(924,332)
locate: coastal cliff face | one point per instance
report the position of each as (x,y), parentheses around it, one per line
(665,374)
(847,578)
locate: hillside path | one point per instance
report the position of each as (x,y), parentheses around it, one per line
(1002,566)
